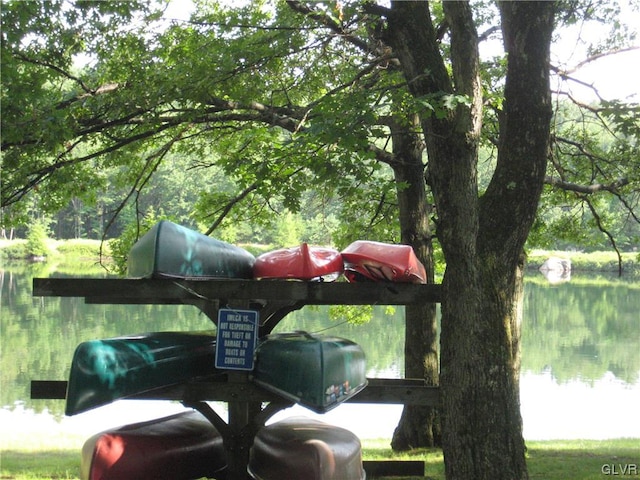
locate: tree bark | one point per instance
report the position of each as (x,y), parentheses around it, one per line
(418,426)
(482,238)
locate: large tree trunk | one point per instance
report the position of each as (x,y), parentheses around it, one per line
(418,426)
(482,239)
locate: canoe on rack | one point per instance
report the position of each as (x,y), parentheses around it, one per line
(317,371)
(170,250)
(181,446)
(375,261)
(299,263)
(103,371)
(299,447)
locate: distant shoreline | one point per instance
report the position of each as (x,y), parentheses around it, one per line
(89,250)
(597,261)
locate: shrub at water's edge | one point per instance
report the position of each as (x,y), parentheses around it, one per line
(36,247)
(599,261)
(63,256)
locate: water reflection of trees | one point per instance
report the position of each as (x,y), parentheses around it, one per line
(572,330)
(582,330)
(39,335)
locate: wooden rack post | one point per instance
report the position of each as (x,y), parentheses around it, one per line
(274,299)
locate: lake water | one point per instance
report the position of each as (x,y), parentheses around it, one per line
(580,359)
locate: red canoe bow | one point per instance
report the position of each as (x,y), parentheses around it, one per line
(366,260)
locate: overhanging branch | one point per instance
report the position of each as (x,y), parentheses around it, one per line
(55,68)
(603,229)
(230,204)
(586,189)
(328,22)
(567,71)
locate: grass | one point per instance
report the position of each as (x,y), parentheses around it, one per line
(584,459)
(45,464)
(547,460)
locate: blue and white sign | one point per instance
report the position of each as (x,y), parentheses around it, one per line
(236,339)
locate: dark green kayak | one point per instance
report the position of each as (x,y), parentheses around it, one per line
(170,250)
(103,371)
(316,371)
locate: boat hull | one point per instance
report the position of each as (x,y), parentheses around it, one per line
(303,448)
(103,371)
(181,446)
(305,263)
(170,250)
(375,261)
(318,372)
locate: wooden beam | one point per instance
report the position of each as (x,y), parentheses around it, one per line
(379,390)
(393,468)
(405,391)
(171,291)
(48,389)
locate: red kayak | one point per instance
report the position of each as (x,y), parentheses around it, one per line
(374,261)
(299,263)
(181,446)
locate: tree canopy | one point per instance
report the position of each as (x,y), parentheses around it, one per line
(97,95)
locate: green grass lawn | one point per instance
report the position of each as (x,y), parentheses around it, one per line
(547,460)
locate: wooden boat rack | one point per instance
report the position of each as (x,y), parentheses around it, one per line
(249,405)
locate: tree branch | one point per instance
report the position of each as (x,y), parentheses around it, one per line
(586,189)
(587,61)
(38,176)
(579,146)
(604,230)
(328,22)
(101,90)
(153,161)
(227,208)
(55,68)
(487,33)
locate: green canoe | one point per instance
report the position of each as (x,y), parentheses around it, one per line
(316,371)
(103,371)
(170,250)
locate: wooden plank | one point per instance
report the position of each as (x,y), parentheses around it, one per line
(398,391)
(48,389)
(167,291)
(192,391)
(393,468)
(379,390)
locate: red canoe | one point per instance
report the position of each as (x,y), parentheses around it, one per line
(374,261)
(180,446)
(299,263)
(303,448)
